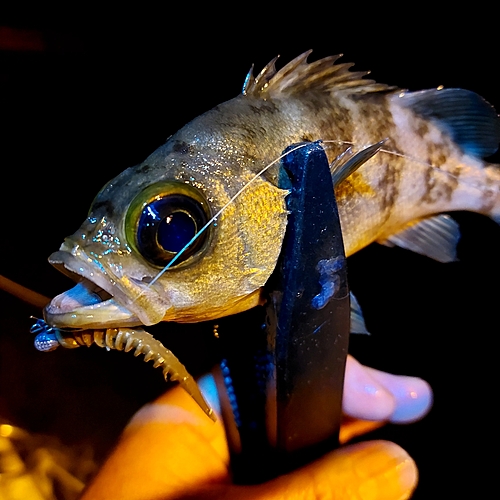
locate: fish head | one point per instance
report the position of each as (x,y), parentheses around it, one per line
(207,216)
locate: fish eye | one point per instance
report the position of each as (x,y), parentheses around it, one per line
(163,220)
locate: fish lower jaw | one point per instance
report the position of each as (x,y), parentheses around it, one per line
(91,303)
(105,314)
(87,306)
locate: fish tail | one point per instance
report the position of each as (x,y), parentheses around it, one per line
(491,198)
(474,125)
(478,190)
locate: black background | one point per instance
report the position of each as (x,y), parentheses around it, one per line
(109,87)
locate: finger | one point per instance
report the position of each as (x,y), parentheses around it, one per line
(378,470)
(353,427)
(370,394)
(413,396)
(168,446)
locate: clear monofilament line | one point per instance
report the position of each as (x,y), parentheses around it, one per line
(394,153)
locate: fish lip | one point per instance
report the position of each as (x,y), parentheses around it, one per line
(110,313)
(106,314)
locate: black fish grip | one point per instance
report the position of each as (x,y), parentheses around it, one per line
(282,385)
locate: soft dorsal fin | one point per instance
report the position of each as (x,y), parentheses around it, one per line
(471,121)
(300,76)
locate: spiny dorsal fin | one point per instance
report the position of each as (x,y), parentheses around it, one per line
(299,76)
(255,85)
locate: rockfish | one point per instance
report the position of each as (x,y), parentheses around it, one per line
(194,232)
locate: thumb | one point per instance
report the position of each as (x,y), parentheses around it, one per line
(378,470)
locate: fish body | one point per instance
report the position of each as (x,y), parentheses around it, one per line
(225,164)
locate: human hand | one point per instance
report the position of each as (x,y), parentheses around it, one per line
(171,450)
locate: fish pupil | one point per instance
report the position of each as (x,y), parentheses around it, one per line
(175,231)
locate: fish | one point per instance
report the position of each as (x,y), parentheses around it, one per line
(194,232)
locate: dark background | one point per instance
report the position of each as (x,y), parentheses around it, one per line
(84,95)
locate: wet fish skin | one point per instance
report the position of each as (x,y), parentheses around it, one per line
(435,141)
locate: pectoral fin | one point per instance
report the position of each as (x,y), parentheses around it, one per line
(349,162)
(357,320)
(435,237)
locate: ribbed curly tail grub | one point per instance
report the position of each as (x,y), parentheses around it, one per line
(124,339)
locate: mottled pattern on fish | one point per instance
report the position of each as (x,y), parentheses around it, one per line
(430,163)
(432,175)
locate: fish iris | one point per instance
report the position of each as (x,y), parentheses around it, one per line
(161,222)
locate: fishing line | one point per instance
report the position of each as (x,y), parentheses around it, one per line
(388,151)
(401,155)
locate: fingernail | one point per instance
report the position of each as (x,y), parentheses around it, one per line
(386,471)
(413,396)
(414,401)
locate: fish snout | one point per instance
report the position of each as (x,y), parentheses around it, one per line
(104,297)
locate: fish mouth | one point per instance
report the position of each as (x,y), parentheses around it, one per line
(98,300)
(85,306)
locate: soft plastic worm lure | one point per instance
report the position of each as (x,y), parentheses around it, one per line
(123,339)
